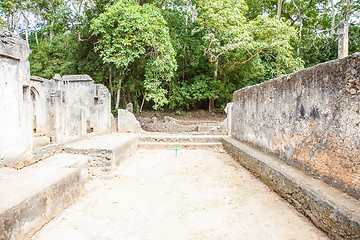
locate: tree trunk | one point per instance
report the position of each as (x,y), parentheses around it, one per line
(123,98)
(300,36)
(193,14)
(279,6)
(211,104)
(110,82)
(347,9)
(211,100)
(36,37)
(80,5)
(128,95)
(14,22)
(333,15)
(27,27)
(183,75)
(143,100)
(51,31)
(117,103)
(301,25)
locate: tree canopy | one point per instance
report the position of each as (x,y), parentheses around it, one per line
(179,54)
(135,36)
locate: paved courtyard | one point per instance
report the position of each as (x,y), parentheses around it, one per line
(196,195)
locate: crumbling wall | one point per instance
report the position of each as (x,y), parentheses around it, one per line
(60,109)
(310,119)
(39,94)
(15,129)
(93,99)
(72,106)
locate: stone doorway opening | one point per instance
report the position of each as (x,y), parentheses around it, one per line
(34,108)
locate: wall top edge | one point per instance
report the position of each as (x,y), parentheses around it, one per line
(12,46)
(292,75)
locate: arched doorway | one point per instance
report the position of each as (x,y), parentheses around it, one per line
(34,108)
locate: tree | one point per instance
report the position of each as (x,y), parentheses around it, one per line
(316,22)
(133,47)
(56,56)
(231,40)
(133,35)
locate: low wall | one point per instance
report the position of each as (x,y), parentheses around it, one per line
(310,119)
(335,213)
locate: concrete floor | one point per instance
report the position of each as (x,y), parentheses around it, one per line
(196,195)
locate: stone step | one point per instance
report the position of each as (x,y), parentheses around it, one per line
(106,151)
(40,141)
(66,160)
(181,138)
(331,210)
(31,197)
(216,146)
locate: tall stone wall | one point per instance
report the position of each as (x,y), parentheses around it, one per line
(310,119)
(15,99)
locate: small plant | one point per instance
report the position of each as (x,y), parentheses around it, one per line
(114,112)
(180,112)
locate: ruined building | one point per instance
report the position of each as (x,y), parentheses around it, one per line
(37,111)
(299,134)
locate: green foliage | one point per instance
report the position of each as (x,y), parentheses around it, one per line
(354,38)
(316,22)
(58,56)
(179,54)
(233,40)
(130,32)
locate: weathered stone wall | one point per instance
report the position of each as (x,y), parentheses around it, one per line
(38,91)
(69,107)
(93,99)
(336,213)
(60,109)
(310,119)
(15,129)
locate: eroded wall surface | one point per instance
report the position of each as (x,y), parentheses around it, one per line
(15,129)
(310,119)
(70,107)
(60,109)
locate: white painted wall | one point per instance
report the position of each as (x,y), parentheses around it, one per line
(65,107)
(15,108)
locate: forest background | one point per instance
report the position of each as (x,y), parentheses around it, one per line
(179,54)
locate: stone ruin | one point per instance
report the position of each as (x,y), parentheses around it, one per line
(298,133)
(173,125)
(170,124)
(36,111)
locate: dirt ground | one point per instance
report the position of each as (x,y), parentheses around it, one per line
(193,115)
(196,195)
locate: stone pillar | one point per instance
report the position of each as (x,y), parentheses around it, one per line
(15,101)
(343,33)
(228,110)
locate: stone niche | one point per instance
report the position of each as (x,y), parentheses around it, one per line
(310,119)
